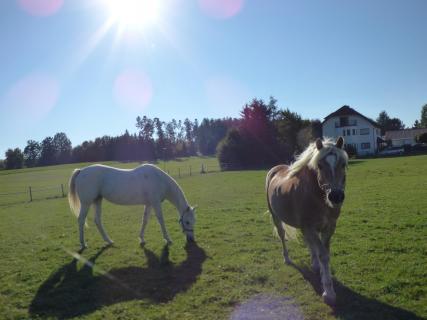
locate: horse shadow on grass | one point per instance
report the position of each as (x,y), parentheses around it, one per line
(352,305)
(70,292)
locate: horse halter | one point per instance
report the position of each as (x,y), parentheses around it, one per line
(181,222)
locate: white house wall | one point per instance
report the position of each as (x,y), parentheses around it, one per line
(355,138)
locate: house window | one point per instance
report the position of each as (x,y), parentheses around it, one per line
(351,145)
(343,132)
(343,121)
(364,131)
(354,132)
(365,145)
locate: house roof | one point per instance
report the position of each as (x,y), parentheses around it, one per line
(404,134)
(347,111)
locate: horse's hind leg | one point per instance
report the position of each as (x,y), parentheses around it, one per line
(145,218)
(98,221)
(84,209)
(281,232)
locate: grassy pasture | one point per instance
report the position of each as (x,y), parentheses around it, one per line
(379,252)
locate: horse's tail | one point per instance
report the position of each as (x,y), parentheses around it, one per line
(290,232)
(73,198)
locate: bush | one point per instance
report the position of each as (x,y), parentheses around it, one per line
(422,138)
(407,148)
(231,151)
(241,150)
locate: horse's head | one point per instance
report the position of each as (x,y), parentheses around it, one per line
(331,171)
(187,222)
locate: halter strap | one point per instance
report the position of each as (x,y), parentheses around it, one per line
(184,228)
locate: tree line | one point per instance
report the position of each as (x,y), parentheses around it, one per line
(154,139)
(263,135)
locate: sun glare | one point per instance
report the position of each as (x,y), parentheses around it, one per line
(134,14)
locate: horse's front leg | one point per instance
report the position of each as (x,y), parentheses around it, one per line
(147,211)
(159,215)
(326,235)
(318,249)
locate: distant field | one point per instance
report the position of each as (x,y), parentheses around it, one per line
(45,182)
(379,252)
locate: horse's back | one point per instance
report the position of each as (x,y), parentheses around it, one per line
(280,169)
(120,186)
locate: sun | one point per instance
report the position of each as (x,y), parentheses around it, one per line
(134,14)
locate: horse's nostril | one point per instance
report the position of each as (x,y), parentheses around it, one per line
(336,196)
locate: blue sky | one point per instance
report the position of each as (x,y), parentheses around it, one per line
(64,68)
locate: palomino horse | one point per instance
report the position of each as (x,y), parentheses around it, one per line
(308,195)
(145,184)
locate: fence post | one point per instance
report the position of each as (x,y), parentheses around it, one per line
(190,170)
(31,194)
(62,189)
(179,172)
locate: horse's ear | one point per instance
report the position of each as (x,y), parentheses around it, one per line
(319,143)
(340,142)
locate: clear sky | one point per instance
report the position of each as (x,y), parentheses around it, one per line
(90,67)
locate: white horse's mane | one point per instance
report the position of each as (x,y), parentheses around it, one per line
(311,156)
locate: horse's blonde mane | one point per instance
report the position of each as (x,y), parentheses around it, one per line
(311,156)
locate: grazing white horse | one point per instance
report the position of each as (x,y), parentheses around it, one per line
(146,184)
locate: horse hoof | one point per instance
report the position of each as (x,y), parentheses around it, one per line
(329,299)
(142,243)
(169,242)
(110,243)
(288,261)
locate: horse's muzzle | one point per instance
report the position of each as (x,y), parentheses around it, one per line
(336,196)
(190,238)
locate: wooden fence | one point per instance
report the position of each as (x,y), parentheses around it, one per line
(35,193)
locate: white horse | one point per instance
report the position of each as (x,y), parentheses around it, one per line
(146,184)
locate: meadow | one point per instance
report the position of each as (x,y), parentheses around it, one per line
(235,270)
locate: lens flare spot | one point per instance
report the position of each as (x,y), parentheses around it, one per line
(221,9)
(33,96)
(133,90)
(41,8)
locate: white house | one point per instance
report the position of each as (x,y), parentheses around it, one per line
(359,131)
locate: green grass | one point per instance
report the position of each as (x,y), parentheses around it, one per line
(379,251)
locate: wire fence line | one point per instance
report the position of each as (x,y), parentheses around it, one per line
(33,193)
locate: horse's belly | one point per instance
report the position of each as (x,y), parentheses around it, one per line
(132,197)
